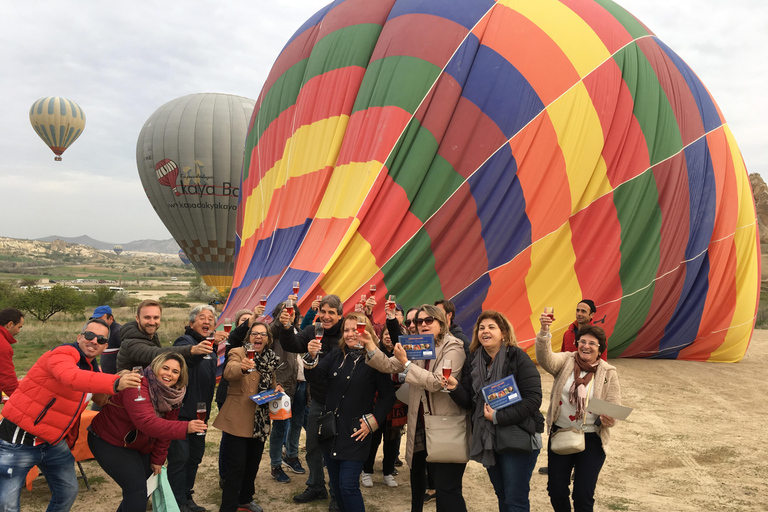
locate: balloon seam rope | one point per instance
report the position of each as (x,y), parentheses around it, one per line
(684,345)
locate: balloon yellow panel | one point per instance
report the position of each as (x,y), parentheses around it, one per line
(58,122)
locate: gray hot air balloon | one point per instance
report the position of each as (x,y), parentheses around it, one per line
(190,155)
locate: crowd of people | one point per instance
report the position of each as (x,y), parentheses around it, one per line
(352,387)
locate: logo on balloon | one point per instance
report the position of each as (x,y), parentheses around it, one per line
(167,172)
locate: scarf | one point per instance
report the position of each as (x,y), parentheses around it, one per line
(578,393)
(163,398)
(266,364)
(485,371)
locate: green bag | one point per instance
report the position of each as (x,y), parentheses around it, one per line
(163,499)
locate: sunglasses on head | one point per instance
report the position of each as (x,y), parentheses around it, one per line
(101,340)
(428,321)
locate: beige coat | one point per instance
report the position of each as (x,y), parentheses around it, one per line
(236,417)
(560,365)
(421,380)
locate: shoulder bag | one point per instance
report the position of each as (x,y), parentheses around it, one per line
(327,428)
(447,436)
(566,441)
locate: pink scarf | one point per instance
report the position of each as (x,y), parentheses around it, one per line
(578,393)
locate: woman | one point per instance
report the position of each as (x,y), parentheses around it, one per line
(424,379)
(245,425)
(494,355)
(393,429)
(352,386)
(577,375)
(130,438)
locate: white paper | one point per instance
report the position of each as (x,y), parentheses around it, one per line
(151,484)
(618,412)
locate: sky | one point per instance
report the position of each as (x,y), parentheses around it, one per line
(121,61)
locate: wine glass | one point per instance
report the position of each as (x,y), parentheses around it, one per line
(391,301)
(360,330)
(263,301)
(250,353)
(227,329)
(212,340)
(296,288)
(319,333)
(550,312)
(201,410)
(447,368)
(373,290)
(138,369)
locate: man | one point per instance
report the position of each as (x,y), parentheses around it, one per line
(585,310)
(45,410)
(330,315)
(11,322)
(139,342)
(184,456)
(108,359)
(455,329)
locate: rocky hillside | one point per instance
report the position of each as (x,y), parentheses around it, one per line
(760,192)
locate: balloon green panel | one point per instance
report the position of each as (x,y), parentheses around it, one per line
(637,207)
(634,27)
(400,81)
(349,46)
(411,272)
(652,109)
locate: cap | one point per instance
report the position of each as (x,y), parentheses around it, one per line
(399,308)
(101,311)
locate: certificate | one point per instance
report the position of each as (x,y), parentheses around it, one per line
(502,393)
(266,396)
(418,346)
(618,412)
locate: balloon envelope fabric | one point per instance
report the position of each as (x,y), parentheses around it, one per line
(507,155)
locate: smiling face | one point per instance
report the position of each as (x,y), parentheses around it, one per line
(588,348)
(412,325)
(169,372)
(203,323)
(259,338)
(92,348)
(328,316)
(584,313)
(489,335)
(350,332)
(428,328)
(148,319)
(386,339)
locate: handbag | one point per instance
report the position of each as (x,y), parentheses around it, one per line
(447,438)
(326,426)
(513,439)
(566,441)
(163,499)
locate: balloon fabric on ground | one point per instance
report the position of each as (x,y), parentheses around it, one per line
(190,155)
(506,155)
(58,122)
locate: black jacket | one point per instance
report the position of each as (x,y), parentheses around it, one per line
(354,397)
(526,413)
(108,358)
(458,332)
(138,349)
(202,377)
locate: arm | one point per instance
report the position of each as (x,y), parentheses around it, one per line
(612,394)
(548,360)
(142,415)
(160,450)
(233,370)
(8,380)
(383,363)
(386,399)
(186,341)
(309,319)
(142,352)
(320,372)
(393,326)
(529,382)
(297,343)
(63,366)
(461,393)
(429,381)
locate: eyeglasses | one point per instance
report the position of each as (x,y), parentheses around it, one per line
(101,340)
(256,334)
(589,343)
(427,321)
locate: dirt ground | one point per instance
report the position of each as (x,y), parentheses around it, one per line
(693,443)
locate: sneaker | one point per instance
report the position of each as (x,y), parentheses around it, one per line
(279,475)
(333,506)
(366,479)
(294,464)
(311,495)
(398,463)
(250,507)
(194,507)
(544,470)
(390,481)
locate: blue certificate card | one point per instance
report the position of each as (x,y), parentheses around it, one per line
(266,396)
(502,393)
(418,346)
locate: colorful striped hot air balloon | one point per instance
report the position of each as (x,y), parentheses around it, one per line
(58,121)
(508,155)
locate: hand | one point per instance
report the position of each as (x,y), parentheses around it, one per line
(400,354)
(129,380)
(220,336)
(294,298)
(369,304)
(450,383)
(156,468)
(367,340)
(196,426)
(279,388)
(362,432)
(313,347)
(246,364)
(488,412)
(286,319)
(202,348)
(389,312)
(607,421)
(258,311)
(545,322)
(316,305)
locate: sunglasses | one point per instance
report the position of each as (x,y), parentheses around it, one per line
(101,340)
(426,321)
(407,323)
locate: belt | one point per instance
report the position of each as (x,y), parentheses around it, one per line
(17,435)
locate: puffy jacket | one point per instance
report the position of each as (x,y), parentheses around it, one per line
(138,349)
(202,377)
(50,399)
(130,424)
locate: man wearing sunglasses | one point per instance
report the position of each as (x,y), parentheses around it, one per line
(41,420)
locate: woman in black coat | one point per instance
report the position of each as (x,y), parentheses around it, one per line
(352,386)
(494,355)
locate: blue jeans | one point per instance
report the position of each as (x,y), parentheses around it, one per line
(55,461)
(298,414)
(511,478)
(276,441)
(344,479)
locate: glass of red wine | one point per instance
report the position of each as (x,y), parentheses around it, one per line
(227,329)
(263,301)
(138,369)
(446,372)
(296,288)
(360,330)
(212,340)
(391,302)
(319,333)
(250,353)
(373,290)
(201,411)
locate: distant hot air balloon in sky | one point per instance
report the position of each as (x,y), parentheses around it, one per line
(58,121)
(183,258)
(190,155)
(118,249)
(505,155)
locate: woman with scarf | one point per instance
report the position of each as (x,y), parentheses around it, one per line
(494,355)
(244,424)
(577,375)
(129,438)
(352,386)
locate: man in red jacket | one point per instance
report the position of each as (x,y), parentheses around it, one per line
(585,310)
(45,410)
(11,322)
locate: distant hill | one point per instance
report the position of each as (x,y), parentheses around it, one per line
(159,246)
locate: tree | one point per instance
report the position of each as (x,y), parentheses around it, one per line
(199,291)
(43,304)
(8,293)
(28,281)
(101,296)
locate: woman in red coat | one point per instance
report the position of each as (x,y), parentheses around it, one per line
(130,438)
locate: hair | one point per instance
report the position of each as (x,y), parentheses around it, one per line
(595,331)
(508,337)
(94,321)
(334,301)
(448,307)
(240,314)
(10,315)
(590,303)
(368,327)
(199,309)
(146,303)
(279,309)
(183,373)
(439,315)
(269,333)
(409,312)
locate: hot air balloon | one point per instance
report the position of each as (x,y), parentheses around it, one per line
(58,121)
(505,155)
(183,258)
(190,155)
(118,249)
